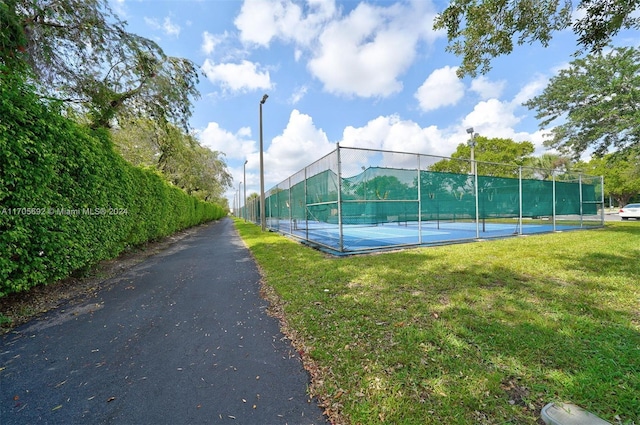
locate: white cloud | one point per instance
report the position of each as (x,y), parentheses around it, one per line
(210,41)
(241,76)
(495,118)
(234,145)
(487,89)
(298,94)
(392,133)
(360,54)
(531,89)
(365,52)
(441,88)
(491,117)
(167,26)
(260,21)
(299,144)
(170,28)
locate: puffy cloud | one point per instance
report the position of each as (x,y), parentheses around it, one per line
(299,144)
(394,134)
(260,21)
(234,145)
(487,89)
(364,53)
(441,88)
(491,115)
(241,76)
(495,118)
(210,41)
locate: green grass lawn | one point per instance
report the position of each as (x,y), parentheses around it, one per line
(478,333)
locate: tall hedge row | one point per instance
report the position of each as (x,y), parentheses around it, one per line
(68,200)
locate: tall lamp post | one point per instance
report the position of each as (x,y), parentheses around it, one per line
(474,172)
(263,224)
(245,189)
(239,200)
(472,145)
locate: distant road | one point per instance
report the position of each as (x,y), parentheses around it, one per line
(182,338)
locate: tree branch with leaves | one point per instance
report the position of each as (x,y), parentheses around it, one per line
(481,30)
(593,104)
(80,52)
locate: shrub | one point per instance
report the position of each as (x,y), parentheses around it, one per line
(68,200)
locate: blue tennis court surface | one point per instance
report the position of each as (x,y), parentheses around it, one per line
(355,238)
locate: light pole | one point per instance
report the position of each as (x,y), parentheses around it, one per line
(263,224)
(474,171)
(472,144)
(239,198)
(235,204)
(245,189)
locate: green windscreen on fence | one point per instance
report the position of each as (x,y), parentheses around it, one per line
(380,195)
(354,200)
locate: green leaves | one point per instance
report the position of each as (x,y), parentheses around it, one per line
(496,157)
(481,31)
(68,200)
(593,104)
(80,51)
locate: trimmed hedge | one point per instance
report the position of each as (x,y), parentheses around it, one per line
(68,200)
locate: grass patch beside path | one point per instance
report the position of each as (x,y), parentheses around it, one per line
(478,333)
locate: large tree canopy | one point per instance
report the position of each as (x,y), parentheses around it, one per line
(80,52)
(196,169)
(595,103)
(497,157)
(480,30)
(621,174)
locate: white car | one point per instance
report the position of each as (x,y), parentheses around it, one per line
(630,211)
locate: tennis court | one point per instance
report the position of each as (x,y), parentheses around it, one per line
(360,200)
(354,238)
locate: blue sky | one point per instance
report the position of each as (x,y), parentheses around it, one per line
(362,73)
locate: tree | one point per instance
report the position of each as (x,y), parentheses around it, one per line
(196,169)
(496,157)
(12,38)
(482,30)
(596,102)
(80,52)
(544,166)
(621,174)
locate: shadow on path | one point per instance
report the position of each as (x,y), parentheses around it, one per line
(182,338)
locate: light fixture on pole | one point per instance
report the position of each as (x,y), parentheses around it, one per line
(245,189)
(263,224)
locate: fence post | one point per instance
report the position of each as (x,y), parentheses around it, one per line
(475,184)
(520,200)
(581,200)
(602,200)
(553,188)
(341,236)
(419,203)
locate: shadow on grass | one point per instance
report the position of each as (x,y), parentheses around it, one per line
(433,336)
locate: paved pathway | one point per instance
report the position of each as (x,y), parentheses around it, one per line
(182,338)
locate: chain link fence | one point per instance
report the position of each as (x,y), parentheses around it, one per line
(358,200)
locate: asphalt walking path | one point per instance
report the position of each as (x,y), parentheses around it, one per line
(181,338)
